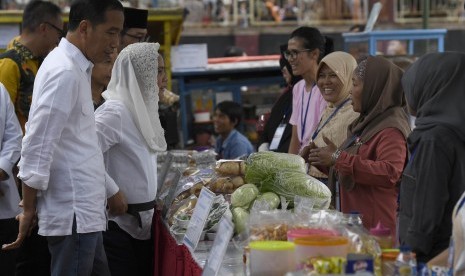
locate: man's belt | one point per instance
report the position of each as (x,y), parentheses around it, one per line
(134,209)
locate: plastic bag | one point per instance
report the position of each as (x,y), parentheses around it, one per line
(270,225)
(230,167)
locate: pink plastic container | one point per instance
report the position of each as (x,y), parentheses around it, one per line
(307,232)
(382,236)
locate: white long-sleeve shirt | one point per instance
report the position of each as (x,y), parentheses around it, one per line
(10,150)
(60,156)
(129,161)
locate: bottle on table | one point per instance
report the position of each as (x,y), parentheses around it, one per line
(382,235)
(406,264)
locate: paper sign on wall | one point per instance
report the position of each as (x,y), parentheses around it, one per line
(188,57)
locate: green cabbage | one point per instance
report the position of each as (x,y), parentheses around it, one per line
(290,184)
(285,174)
(240,219)
(244,195)
(271,198)
(261,167)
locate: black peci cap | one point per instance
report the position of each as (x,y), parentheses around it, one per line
(135,18)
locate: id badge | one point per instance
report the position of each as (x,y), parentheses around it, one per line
(278,134)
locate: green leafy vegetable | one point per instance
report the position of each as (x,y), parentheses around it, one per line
(290,184)
(261,167)
(244,195)
(240,218)
(271,198)
(285,175)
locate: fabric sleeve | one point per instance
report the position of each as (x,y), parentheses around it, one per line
(10,149)
(295,106)
(10,77)
(52,105)
(433,166)
(109,127)
(111,187)
(239,148)
(384,167)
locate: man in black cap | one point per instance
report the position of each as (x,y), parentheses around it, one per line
(135,27)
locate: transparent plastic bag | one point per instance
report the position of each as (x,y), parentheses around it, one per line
(270,225)
(230,167)
(204,159)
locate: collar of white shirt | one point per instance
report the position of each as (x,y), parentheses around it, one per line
(84,64)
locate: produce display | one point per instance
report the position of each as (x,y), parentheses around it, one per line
(270,197)
(181,217)
(285,174)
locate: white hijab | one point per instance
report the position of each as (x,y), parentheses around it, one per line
(134,82)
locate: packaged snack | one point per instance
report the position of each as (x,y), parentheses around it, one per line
(270,225)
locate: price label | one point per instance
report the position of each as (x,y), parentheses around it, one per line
(198,219)
(220,245)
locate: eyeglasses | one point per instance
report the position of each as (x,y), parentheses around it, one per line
(139,38)
(292,54)
(60,32)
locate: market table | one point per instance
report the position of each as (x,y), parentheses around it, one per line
(172,258)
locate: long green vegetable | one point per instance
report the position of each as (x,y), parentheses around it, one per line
(290,184)
(261,167)
(285,175)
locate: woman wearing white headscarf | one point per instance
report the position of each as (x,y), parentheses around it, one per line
(130,136)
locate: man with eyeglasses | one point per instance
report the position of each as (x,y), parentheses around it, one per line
(135,27)
(42,29)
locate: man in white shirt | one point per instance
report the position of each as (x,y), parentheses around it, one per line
(61,162)
(10,150)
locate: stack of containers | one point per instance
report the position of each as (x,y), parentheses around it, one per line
(271,257)
(320,247)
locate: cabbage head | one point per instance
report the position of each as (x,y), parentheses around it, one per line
(244,195)
(261,167)
(240,219)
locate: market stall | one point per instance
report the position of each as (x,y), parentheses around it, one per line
(213,221)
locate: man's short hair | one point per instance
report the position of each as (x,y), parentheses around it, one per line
(231,109)
(37,12)
(92,10)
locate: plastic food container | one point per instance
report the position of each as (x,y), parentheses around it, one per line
(303,233)
(271,258)
(182,223)
(388,258)
(382,236)
(320,246)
